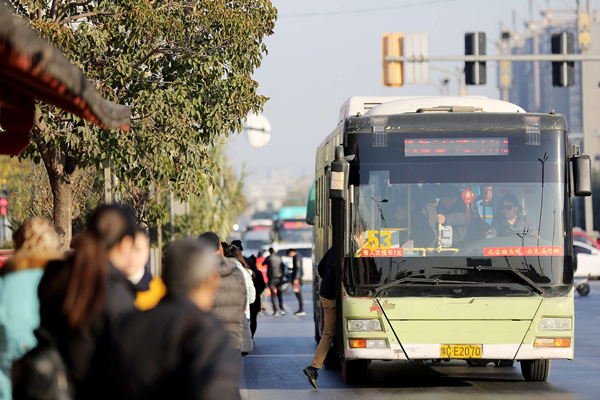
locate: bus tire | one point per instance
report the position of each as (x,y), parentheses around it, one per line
(535,370)
(332,360)
(355,371)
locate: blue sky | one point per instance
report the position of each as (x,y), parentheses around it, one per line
(316,62)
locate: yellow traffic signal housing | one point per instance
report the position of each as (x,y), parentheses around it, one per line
(393,46)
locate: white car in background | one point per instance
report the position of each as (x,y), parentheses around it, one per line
(304,249)
(588,260)
(255,241)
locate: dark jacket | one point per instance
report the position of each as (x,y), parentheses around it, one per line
(456,217)
(230,301)
(274,269)
(297,267)
(326,270)
(173,351)
(79,347)
(523,224)
(259,285)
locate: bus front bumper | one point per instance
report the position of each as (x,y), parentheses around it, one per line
(433,351)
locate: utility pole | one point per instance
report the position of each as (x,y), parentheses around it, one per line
(172,213)
(108,197)
(589,93)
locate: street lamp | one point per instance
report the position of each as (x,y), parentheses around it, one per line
(258,130)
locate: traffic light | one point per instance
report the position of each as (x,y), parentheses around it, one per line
(3,203)
(563,73)
(392,46)
(475,72)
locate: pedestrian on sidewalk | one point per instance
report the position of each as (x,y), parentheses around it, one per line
(259,286)
(36,243)
(149,290)
(230,301)
(275,271)
(297,279)
(235,254)
(326,269)
(177,350)
(82,296)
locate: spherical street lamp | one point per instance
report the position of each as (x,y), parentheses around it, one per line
(258,130)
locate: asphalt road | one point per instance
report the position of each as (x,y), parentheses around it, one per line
(285,345)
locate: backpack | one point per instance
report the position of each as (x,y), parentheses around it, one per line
(41,374)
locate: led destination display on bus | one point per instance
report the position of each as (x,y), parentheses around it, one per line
(447,147)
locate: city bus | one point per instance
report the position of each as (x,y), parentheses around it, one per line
(450,221)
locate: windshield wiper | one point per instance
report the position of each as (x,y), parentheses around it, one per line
(410,279)
(508,268)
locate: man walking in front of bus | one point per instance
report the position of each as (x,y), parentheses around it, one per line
(326,270)
(297,277)
(275,277)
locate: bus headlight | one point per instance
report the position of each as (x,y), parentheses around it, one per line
(363,325)
(556,324)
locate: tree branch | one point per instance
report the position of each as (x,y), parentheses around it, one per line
(66,8)
(53,9)
(76,17)
(147,56)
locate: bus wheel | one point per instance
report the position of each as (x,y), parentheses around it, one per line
(332,360)
(535,370)
(355,371)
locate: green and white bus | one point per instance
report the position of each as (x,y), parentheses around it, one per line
(491,280)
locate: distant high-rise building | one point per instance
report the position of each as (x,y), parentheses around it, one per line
(531,82)
(532,85)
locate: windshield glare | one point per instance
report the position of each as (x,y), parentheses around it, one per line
(458,212)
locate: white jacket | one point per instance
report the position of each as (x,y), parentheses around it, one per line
(250,290)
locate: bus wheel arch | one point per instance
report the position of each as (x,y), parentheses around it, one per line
(355,371)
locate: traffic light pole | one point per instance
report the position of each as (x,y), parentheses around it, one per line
(590,105)
(508,57)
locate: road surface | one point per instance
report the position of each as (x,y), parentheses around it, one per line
(285,345)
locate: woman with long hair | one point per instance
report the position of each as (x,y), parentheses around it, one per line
(81,297)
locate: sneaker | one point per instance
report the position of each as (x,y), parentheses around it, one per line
(299,313)
(282,312)
(312,374)
(277,314)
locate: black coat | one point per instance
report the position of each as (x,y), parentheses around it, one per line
(259,285)
(230,301)
(173,351)
(79,347)
(297,267)
(274,269)
(326,270)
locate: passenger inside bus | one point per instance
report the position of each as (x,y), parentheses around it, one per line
(511,220)
(453,213)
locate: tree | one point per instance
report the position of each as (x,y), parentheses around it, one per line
(30,194)
(184,67)
(217,208)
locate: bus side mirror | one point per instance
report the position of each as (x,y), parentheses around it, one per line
(582,175)
(340,171)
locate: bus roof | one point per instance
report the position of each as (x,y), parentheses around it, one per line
(412,105)
(380,105)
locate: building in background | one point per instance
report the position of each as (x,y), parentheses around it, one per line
(531,82)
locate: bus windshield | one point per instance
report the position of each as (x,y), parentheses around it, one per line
(436,215)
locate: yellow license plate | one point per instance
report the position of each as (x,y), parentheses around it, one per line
(461,351)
